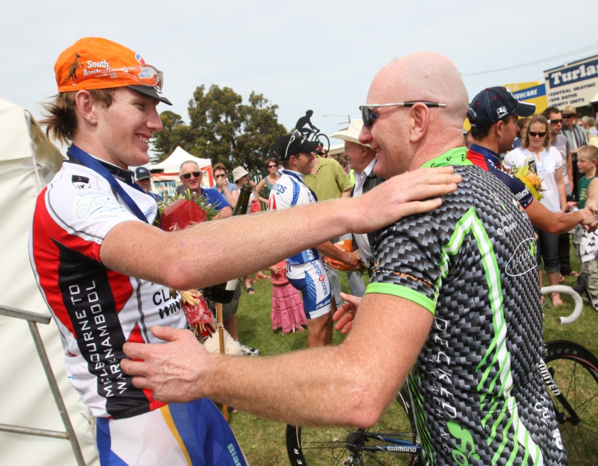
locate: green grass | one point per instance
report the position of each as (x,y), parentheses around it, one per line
(264,441)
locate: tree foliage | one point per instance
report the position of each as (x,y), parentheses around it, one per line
(222,128)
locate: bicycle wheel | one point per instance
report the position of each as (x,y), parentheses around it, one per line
(575,372)
(323,139)
(314,446)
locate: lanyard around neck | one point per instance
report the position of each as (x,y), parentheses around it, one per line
(298,178)
(97,167)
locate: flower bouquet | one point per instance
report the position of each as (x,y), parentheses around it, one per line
(177,213)
(530,179)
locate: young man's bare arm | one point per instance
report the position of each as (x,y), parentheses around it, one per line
(213,252)
(557,222)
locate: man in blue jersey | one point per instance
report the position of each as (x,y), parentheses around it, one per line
(453,306)
(493,116)
(306,270)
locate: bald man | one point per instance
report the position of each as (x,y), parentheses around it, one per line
(441,307)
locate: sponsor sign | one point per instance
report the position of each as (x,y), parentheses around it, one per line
(532,92)
(574,84)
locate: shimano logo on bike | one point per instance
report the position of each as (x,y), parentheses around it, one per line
(403,449)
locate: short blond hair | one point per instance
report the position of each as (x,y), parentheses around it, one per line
(591,152)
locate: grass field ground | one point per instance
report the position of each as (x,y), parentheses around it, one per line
(264,441)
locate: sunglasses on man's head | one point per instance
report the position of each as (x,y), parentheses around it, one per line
(188,175)
(368,115)
(539,135)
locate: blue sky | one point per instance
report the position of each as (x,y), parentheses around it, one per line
(319,55)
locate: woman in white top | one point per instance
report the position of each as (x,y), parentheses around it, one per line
(547,162)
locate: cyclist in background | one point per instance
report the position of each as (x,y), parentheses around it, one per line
(306,120)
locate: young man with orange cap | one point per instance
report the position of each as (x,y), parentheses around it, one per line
(107,274)
(106,107)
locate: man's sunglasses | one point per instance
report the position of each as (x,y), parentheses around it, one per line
(534,134)
(188,175)
(556,122)
(272,166)
(569,116)
(368,114)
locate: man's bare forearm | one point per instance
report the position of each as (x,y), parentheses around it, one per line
(213,252)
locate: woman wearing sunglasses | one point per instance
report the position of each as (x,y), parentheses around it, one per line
(547,162)
(265,185)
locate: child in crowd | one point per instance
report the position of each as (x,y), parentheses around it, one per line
(287,305)
(587,243)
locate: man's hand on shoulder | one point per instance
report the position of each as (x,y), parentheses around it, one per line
(401,196)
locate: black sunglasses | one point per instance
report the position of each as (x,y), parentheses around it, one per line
(188,175)
(533,134)
(272,166)
(556,122)
(368,115)
(569,116)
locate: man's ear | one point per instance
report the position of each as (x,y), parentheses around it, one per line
(419,121)
(86,106)
(499,128)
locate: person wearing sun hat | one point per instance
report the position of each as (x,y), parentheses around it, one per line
(106,107)
(362,160)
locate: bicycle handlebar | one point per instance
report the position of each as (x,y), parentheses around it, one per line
(546,290)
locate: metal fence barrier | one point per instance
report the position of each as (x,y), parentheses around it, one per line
(33,318)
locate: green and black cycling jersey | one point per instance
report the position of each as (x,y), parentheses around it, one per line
(476,386)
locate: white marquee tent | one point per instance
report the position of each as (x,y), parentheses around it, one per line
(27,162)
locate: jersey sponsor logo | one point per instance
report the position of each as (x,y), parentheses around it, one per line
(80,182)
(234,455)
(523,259)
(465,447)
(279,188)
(90,203)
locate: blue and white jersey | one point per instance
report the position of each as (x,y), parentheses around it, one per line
(291,191)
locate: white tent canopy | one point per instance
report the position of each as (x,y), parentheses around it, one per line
(27,162)
(173,163)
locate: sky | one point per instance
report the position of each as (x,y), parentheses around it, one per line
(318,55)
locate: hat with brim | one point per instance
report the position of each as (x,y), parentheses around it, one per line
(142,173)
(151,91)
(495,103)
(570,111)
(351,134)
(239,173)
(97,63)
